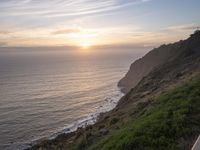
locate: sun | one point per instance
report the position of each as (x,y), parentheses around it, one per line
(85,48)
(86,45)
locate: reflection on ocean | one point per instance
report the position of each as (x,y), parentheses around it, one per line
(42,93)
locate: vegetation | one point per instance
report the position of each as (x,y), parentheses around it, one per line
(168,123)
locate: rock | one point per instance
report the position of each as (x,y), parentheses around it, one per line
(101,126)
(104,131)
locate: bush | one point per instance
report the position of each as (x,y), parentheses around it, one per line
(114,121)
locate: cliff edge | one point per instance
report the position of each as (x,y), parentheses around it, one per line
(155,58)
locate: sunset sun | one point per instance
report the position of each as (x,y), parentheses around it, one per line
(86,45)
(85,48)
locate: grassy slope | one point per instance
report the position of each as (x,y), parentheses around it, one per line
(169,123)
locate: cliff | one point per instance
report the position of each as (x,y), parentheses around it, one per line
(156,58)
(160,112)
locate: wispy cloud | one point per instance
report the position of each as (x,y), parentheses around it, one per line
(94,22)
(66,31)
(4,32)
(2,43)
(58,8)
(183,28)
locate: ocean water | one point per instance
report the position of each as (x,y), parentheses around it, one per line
(47,92)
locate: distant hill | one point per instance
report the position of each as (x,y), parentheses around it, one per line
(157,57)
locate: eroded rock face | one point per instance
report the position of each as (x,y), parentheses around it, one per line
(158,56)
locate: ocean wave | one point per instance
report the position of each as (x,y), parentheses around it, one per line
(108,104)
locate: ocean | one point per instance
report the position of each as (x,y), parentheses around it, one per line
(47,92)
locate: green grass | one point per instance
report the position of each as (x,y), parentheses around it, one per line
(172,118)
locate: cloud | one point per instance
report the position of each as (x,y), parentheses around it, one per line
(2,43)
(66,31)
(4,32)
(146,0)
(183,28)
(59,8)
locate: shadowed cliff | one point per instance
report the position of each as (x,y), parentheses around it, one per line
(156,58)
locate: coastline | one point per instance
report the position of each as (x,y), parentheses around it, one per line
(108,105)
(137,117)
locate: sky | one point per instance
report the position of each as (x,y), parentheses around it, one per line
(85,23)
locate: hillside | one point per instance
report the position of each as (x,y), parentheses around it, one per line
(160,111)
(156,58)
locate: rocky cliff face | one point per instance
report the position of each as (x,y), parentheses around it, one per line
(156,58)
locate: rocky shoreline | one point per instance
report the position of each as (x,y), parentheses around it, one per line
(80,125)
